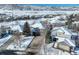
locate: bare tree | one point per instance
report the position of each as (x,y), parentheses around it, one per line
(17,38)
(69,20)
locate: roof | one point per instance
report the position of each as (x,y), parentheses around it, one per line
(65,41)
(62,29)
(53,20)
(38,25)
(16,27)
(45,19)
(65,30)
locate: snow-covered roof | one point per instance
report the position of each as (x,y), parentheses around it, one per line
(62,29)
(38,25)
(16,27)
(76,22)
(65,30)
(44,19)
(60,39)
(21,22)
(53,21)
(69,42)
(31,21)
(65,40)
(3,40)
(63,16)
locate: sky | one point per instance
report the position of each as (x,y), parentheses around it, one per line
(57,5)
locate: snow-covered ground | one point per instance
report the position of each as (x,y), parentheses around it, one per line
(4,40)
(19,13)
(23,44)
(53,51)
(38,25)
(17,25)
(14,25)
(24,12)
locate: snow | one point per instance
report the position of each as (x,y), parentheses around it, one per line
(24,44)
(31,22)
(20,13)
(52,51)
(44,19)
(60,39)
(4,40)
(54,20)
(66,31)
(38,25)
(16,27)
(62,29)
(77,52)
(21,22)
(24,12)
(68,41)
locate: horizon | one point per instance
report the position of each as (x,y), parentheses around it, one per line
(52,5)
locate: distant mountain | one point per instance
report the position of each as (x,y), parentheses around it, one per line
(36,8)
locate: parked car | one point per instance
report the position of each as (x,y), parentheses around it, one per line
(36,32)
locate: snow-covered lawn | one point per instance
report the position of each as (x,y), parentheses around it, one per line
(23,45)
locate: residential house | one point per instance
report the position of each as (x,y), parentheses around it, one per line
(37,25)
(57,22)
(64,35)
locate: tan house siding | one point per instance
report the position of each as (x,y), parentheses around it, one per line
(63,47)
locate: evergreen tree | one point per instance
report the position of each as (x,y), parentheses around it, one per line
(26,29)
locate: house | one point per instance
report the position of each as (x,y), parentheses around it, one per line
(65,41)
(37,25)
(65,44)
(62,32)
(56,22)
